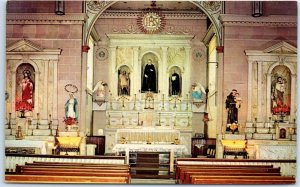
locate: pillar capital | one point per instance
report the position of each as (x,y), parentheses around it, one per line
(85,48)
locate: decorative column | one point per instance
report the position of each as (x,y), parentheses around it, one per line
(187,71)
(293,99)
(83,102)
(45,94)
(259,92)
(249,102)
(218,126)
(269,113)
(135,73)
(55,83)
(164,79)
(112,71)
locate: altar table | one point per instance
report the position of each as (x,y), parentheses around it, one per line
(41,145)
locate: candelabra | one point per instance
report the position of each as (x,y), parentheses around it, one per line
(134,104)
(255,125)
(38,121)
(163,102)
(9,121)
(159,119)
(187,102)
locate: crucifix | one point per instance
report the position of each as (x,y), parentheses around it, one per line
(123,98)
(175,99)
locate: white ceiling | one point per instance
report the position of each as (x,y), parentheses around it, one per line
(165,5)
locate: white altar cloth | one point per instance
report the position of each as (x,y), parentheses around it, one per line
(170,148)
(42,145)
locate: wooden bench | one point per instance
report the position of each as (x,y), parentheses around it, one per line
(63,179)
(179,168)
(66,170)
(187,175)
(253,180)
(211,171)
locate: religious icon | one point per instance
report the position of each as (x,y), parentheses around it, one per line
(233,103)
(124,81)
(149,79)
(198,92)
(25,89)
(175,84)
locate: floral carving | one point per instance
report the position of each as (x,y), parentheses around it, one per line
(212,5)
(97,5)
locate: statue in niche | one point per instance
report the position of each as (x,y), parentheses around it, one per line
(149,77)
(198,92)
(100,88)
(124,82)
(24,99)
(279,101)
(233,103)
(175,84)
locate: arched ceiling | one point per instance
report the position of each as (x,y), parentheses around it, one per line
(165,5)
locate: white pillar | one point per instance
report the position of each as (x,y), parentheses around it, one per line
(293,98)
(164,79)
(249,109)
(55,83)
(135,74)
(45,93)
(269,113)
(259,92)
(186,84)
(112,72)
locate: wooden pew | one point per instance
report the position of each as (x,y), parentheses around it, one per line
(72,164)
(189,174)
(179,167)
(179,174)
(77,169)
(63,179)
(240,181)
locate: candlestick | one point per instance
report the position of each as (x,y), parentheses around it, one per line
(159,119)
(110,100)
(138,124)
(9,120)
(163,102)
(38,120)
(134,104)
(108,122)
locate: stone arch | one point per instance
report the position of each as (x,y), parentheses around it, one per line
(212,9)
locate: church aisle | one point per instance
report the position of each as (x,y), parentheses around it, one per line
(152,181)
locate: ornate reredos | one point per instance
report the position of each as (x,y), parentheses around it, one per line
(24,46)
(281,48)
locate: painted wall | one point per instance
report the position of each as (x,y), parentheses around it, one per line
(66,37)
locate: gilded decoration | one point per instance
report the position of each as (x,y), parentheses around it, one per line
(212,5)
(128,29)
(176,55)
(124,56)
(97,5)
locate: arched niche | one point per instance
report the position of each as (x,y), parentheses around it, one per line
(149,73)
(175,81)
(280,91)
(124,80)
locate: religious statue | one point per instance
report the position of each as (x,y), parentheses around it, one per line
(175,84)
(279,103)
(100,88)
(27,102)
(233,103)
(124,83)
(149,77)
(197,92)
(71,111)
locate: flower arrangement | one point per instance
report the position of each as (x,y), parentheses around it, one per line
(70,121)
(234,127)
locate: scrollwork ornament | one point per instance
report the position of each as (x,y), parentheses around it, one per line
(71,88)
(212,5)
(97,5)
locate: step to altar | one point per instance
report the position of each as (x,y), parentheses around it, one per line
(36,138)
(261,136)
(260,130)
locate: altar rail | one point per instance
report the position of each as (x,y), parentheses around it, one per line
(287,167)
(11,160)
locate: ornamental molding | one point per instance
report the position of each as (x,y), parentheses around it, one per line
(40,18)
(191,15)
(247,20)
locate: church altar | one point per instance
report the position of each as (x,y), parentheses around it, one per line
(40,145)
(147,135)
(170,148)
